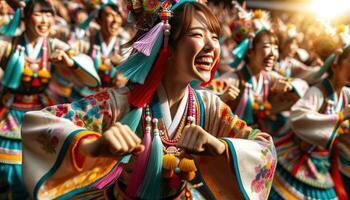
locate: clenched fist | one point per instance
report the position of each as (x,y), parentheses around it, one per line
(60,58)
(116,141)
(196,140)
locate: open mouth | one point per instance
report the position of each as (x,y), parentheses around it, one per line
(204,63)
(43,28)
(270,61)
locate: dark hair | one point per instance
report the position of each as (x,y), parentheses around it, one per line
(181,22)
(45,6)
(113,6)
(264,34)
(341,57)
(344,54)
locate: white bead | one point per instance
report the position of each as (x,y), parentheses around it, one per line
(107,61)
(148,128)
(148,118)
(155,120)
(34,66)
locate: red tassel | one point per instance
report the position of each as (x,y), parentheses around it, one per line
(142,94)
(300,163)
(337,179)
(36,82)
(212,75)
(106,79)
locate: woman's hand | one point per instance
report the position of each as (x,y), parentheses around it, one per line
(196,140)
(116,141)
(281,86)
(263,137)
(61,58)
(116,59)
(230,94)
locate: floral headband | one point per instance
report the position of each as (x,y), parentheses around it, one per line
(147,66)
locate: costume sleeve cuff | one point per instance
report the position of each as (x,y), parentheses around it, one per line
(77,158)
(85,69)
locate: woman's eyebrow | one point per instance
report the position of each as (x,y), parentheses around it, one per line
(195,28)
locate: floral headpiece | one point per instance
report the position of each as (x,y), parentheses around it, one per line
(147,66)
(259,20)
(338,38)
(97,5)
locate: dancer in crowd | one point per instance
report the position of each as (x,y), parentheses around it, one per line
(288,66)
(26,61)
(263,92)
(151,139)
(308,157)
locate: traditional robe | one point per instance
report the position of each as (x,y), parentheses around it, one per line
(52,169)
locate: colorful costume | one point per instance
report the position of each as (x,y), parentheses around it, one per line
(162,170)
(27,74)
(52,135)
(304,169)
(256,104)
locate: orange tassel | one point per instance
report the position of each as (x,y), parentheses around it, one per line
(188,168)
(169,165)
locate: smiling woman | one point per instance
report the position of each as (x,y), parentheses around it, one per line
(26,61)
(155,143)
(261,89)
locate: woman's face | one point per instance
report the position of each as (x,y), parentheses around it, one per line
(291,48)
(264,54)
(110,21)
(40,22)
(342,71)
(196,52)
(80,17)
(4,8)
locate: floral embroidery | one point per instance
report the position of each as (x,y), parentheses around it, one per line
(263,179)
(88,112)
(48,141)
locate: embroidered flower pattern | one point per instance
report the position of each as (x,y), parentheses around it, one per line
(88,112)
(49,141)
(264,173)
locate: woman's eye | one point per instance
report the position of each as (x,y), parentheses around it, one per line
(36,14)
(197,34)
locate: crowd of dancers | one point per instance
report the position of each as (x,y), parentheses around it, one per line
(171,99)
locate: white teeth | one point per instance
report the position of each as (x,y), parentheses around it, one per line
(205,59)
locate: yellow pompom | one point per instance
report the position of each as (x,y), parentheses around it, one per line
(187,165)
(267,105)
(340,131)
(169,162)
(44,73)
(256,106)
(104,67)
(258,14)
(71,53)
(189,176)
(341,28)
(27,71)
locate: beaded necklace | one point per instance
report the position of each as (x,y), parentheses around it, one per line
(37,71)
(174,164)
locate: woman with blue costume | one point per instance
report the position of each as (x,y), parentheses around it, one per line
(263,93)
(154,138)
(104,45)
(313,159)
(26,61)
